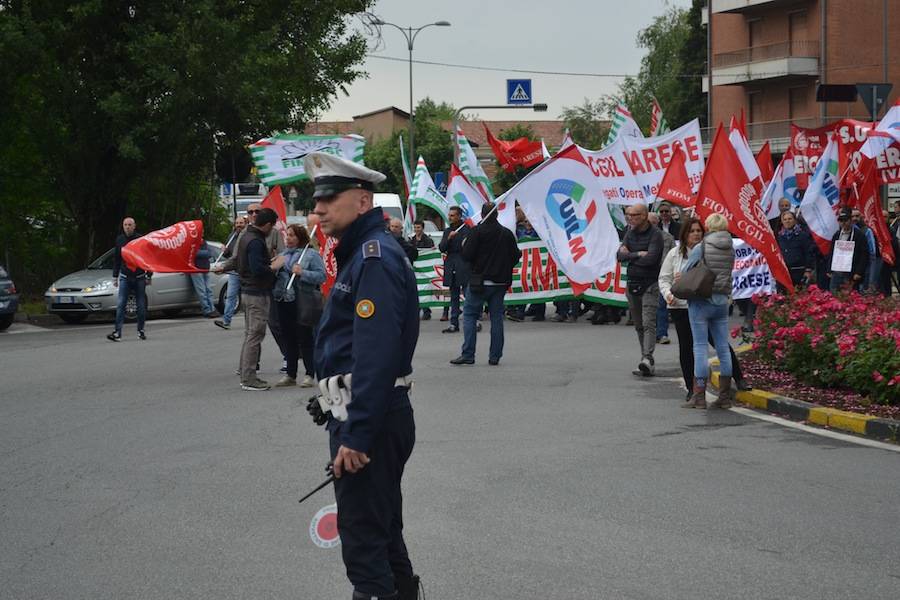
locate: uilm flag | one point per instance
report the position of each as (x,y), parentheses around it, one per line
(520,152)
(675,186)
(868,200)
(728,189)
(169,250)
(461,193)
(275,200)
(822,198)
(563,201)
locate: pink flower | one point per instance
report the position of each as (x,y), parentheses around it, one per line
(895,380)
(877,377)
(735,332)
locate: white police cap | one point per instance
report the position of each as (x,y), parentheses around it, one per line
(333,174)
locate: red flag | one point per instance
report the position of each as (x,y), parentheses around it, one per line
(327,245)
(726,189)
(676,185)
(169,250)
(275,200)
(868,201)
(743,124)
(519,152)
(764,161)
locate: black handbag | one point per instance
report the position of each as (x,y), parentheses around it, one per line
(310,304)
(697,282)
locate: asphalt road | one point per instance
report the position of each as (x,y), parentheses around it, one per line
(141,470)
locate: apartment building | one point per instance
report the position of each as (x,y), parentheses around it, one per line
(767,57)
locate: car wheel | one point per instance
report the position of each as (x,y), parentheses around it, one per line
(220,306)
(172,312)
(5,321)
(73,318)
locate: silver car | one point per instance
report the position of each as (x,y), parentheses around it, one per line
(91,291)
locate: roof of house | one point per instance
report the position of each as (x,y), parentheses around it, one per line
(393,109)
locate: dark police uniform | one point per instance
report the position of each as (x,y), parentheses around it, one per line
(369,329)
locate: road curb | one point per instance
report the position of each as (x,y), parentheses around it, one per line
(798,410)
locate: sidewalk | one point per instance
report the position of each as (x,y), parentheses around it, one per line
(798,410)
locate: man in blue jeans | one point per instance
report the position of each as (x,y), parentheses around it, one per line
(492,252)
(128,282)
(233,289)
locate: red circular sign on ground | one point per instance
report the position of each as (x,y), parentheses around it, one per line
(323,528)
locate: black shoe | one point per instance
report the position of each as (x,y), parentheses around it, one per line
(114,337)
(222,324)
(462,360)
(493,361)
(539,318)
(451,329)
(407,587)
(142,335)
(514,317)
(743,386)
(426,317)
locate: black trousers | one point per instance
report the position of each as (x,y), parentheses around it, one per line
(679,317)
(370,509)
(296,339)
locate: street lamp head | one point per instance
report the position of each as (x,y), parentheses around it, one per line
(377,21)
(442,23)
(540,107)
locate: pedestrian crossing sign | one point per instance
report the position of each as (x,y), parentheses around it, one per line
(518,91)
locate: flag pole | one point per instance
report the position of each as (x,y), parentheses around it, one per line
(496,204)
(305,248)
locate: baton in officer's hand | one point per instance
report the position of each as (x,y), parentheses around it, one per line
(328,469)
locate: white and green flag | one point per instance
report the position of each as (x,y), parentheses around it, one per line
(623,125)
(658,123)
(470,167)
(424,192)
(279,159)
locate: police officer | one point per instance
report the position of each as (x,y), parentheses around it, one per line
(366,340)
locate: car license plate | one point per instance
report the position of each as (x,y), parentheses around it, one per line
(66,299)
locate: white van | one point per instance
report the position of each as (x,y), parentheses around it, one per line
(390,204)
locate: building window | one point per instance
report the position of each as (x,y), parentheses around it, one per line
(754,32)
(754,102)
(797,98)
(797,29)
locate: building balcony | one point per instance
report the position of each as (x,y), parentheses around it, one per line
(736,6)
(799,58)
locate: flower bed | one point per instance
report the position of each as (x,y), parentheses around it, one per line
(845,341)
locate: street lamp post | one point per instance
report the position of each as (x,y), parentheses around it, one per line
(535,107)
(410,33)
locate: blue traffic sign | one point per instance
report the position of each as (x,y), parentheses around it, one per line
(518,91)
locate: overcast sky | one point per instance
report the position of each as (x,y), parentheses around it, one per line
(581,36)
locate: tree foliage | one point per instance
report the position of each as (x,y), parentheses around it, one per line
(119,109)
(588,124)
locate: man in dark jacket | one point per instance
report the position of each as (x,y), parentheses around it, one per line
(257,275)
(395,226)
(797,248)
(420,240)
(493,253)
(666,223)
(847,241)
(456,270)
(642,250)
(128,283)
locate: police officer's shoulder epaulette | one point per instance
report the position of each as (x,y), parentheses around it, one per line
(371,249)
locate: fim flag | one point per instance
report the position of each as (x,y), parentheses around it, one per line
(169,250)
(279,159)
(462,194)
(425,193)
(570,215)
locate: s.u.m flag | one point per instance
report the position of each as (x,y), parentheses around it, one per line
(564,203)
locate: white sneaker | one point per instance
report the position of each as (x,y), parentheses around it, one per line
(307,382)
(286,381)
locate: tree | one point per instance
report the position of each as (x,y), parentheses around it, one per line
(670,70)
(128,103)
(588,124)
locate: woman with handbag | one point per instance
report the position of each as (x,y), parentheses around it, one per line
(691,235)
(300,260)
(706,281)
